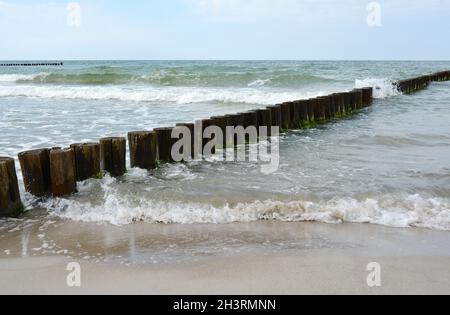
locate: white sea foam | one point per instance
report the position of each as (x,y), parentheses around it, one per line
(21,77)
(382,88)
(118,208)
(259,82)
(178,95)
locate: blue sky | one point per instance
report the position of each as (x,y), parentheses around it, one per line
(225,29)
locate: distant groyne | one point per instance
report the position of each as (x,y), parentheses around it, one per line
(33,64)
(55,171)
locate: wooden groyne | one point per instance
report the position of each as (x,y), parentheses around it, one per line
(413,85)
(56,171)
(41,64)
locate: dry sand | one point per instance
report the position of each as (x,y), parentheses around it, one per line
(254,258)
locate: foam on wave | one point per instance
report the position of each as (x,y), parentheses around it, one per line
(118,208)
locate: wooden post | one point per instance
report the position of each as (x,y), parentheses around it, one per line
(265,119)
(205,124)
(407,86)
(348,103)
(338,103)
(143,149)
(63,172)
(327,106)
(319,114)
(234,121)
(113,156)
(353,101)
(253,119)
(302,107)
(246,118)
(333,100)
(359,100)
(311,110)
(87,160)
(276,115)
(10,203)
(367,96)
(295,114)
(285,116)
(221,122)
(165,143)
(191,128)
(415,84)
(35,167)
(401,86)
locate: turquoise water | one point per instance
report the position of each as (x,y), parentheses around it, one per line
(386,165)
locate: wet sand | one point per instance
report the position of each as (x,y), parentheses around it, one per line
(251,258)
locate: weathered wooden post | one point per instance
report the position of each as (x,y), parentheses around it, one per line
(359,100)
(233,121)
(253,119)
(276,115)
(165,143)
(63,172)
(328,114)
(333,112)
(87,160)
(406,86)
(327,107)
(311,110)
(400,86)
(265,119)
(367,96)
(416,84)
(221,122)
(143,147)
(353,101)
(348,103)
(10,203)
(205,124)
(237,120)
(246,118)
(302,107)
(35,167)
(285,116)
(295,114)
(337,104)
(319,114)
(113,155)
(191,128)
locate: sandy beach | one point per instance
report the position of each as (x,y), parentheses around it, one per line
(254,258)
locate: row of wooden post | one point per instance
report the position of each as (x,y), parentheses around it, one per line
(416,84)
(31,64)
(55,172)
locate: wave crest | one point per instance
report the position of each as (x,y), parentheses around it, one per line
(118,208)
(167,95)
(171,77)
(382,88)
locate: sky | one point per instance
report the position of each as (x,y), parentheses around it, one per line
(225,29)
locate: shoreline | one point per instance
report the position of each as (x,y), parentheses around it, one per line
(257,258)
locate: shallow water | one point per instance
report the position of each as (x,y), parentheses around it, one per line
(385,165)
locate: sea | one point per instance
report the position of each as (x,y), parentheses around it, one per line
(388,164)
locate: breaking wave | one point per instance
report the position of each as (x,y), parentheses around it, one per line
(177,95)
(390,210)
(171,77)
(382,88)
